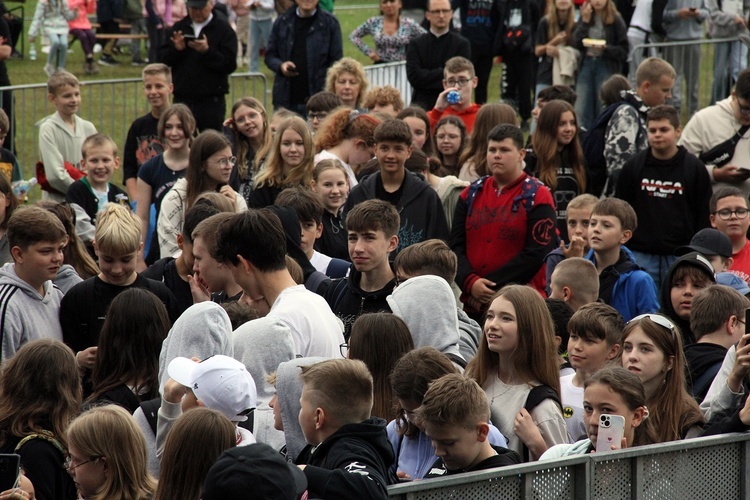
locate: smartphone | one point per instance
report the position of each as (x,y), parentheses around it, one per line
(747,318)
(189,36)
(693,9)
(611,428)
(9,471)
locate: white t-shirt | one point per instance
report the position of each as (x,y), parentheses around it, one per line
(315,329)
(320,261)
(572,402)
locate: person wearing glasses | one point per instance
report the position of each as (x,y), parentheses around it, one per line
(209,169)
(664,179)
(426,56)
(725,125)
(458,76)
(391,32)
(729,214)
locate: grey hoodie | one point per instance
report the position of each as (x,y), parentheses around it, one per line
(289,389)
(428,307)
(262,344)
(24,314)
(67,278)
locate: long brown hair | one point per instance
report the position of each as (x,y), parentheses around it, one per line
(74,252)
(206,144)
(555,21)
(488,117)
(549,160)
(535,357)
(272,174)
(610,13)
(242,145)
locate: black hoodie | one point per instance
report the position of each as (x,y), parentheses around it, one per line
(700,357)
(691,259)
(351,463)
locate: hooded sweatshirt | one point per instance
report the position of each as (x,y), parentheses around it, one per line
(24,314)
(691,259)
(67,278)
(289,390)
(261,345)
(427,306)
(350,463)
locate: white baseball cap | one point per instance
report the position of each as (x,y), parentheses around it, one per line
(219,382)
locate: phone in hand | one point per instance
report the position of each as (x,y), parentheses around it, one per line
(9,471)
(611,428)
(189,36)
(747,318)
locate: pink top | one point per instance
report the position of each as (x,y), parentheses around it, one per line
(84,8)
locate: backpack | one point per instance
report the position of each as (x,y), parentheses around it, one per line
(593,148)
(526,198)
(516,31)
(536,396)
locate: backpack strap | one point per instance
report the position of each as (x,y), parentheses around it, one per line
(704,381)
(44,435)
(474,188)
(151,412)
(536,396)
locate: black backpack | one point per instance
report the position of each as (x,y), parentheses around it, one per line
(534,399)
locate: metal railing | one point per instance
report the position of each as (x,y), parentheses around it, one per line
(393,74)
(707,468)
(111,105)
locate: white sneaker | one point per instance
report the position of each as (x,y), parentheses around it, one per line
(45,49)
(97,48)
(49,69)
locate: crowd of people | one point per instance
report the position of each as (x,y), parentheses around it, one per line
(348,293)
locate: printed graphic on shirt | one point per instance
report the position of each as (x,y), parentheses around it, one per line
(662,189)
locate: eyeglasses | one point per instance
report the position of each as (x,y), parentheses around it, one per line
(726,214)
(344,349)
(317,116)
(439,12)
(461,82)
(68,464)
(241,120)
(660,320)
(744,110)
(225,162)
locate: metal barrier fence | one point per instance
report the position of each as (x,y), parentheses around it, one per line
(393,74)
(706,468)
(111,105)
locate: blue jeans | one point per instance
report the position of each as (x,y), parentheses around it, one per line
(260,32)
(58,50)
(594,72)
(655,265)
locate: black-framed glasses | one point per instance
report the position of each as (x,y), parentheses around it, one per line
(320,116)
(461,82)
(744,110)
(344,349)
(726,214)
(438,12)
(660,320)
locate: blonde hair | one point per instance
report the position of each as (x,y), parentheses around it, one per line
(272,174)
(351,66)
(118,230)
(342,387)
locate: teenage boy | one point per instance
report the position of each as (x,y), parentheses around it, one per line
(458,76)
(211,280)
(576,282)
(729,210)
(622,283)
(318,106)
(348,452)
(419,206)
(143,142)
(664,179)
(372,228)
(175,272)
(61,134)
(625,133)
(504,225)
(385,100)
(309,211)
(29,302)
(455,415)
(717,319)
(93,191)
(713,245)
(253,245)
(595,332)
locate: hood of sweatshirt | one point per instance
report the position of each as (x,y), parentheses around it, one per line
(203,330)
(427,306)
(261,345)
(8,276)
(371,431)
(693,259)
(289,390)
(67,278)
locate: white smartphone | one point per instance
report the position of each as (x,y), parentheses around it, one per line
(611,428)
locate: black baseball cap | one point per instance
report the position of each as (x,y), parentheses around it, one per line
(709,242)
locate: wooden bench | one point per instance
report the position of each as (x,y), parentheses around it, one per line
(121,36)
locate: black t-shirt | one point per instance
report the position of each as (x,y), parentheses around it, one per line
(165,270)
(160,177)
(333,242)
(381,194)
(42,463)
(300,84)
(503,458)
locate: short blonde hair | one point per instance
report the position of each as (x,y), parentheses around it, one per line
(60,79)
(118,230)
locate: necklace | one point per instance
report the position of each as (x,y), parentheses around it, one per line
(494,389)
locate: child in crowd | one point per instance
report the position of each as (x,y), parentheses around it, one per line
(622,283)
(8,162)
(384,100)
(211,280)
(29,302)
(310,214)
(450,140)
(458,76)
(614,391)
(94,190)
(576,282)
(714,246)
(688,275)
(652,348)
(144,141)
(80,29)
(52,16)
(83,309)
(455,415)
(61,134)
(418,205)
(729,214)
(595,331)
(717,318)
(8,204)
(331,184)
(319,106)
(419,124)
(372,227)
(474,161)
(348,452)
(248,131)
(664,179)
(517,365)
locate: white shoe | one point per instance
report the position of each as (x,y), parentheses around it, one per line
(97,48)
(49,69)
(45,49)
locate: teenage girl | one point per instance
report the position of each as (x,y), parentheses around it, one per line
(419,123)
(558,159)
(599,21)
(555,31)
(289,163)
(517,352)
(331,183)
(8,203)
(652,349)
(248,131)
(450,141)
(614,391)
